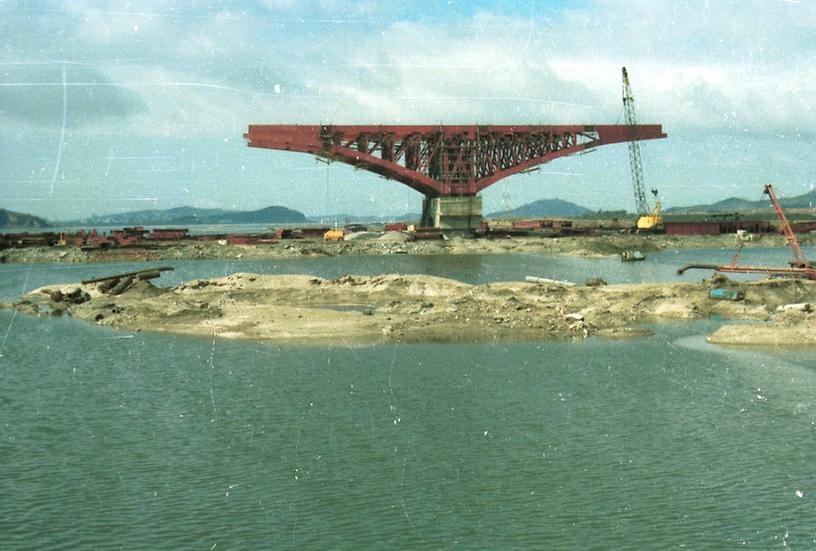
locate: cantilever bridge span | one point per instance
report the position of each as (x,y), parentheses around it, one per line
(448,164)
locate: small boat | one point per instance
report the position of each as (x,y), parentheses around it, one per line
(631,255)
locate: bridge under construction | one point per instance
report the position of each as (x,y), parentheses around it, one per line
(449,164)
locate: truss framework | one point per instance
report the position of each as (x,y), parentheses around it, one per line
(445,160)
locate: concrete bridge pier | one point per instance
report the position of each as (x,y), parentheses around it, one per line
(455,213)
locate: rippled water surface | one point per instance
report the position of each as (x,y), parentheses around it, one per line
(111,439)
(476,268)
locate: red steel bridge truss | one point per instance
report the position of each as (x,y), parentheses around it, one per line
(440,161)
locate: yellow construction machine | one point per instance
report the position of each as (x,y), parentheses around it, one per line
(654,220)
(334,234)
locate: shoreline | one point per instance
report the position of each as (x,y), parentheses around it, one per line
(387,244)
(418,308)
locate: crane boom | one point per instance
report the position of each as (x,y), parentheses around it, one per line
(799,260)
(799,266)
(634,147)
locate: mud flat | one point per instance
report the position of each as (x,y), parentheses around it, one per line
(371,243)
(397,308)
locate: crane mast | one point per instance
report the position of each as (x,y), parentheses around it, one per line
(649,219)
(635,162)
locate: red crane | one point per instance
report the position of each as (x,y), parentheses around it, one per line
(799,266)
(799,260)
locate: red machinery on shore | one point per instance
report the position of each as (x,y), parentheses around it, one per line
(799,265)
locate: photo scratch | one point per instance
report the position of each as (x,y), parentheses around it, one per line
(62,130)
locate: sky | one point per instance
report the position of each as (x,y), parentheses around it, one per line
(111,105)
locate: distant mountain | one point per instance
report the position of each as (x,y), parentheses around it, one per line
(144,217)
(344,218)
(404,217)
(557,207)
(188,216)
(543,207)
(11,219)
(732,204)
(268,215)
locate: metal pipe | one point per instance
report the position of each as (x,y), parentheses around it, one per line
(137,274)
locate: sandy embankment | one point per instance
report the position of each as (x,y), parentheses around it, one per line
(384,244)
(395,308)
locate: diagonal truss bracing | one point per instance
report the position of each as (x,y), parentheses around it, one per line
(445,160)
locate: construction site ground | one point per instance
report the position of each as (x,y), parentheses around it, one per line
(419,308)
(375,243)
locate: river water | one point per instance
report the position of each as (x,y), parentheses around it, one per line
(111,439)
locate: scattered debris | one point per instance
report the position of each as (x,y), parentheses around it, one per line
(796,307)
(76,296)
(149,273)
(109,284)
(533,279)
(119,283)
(720,293)
(121,286)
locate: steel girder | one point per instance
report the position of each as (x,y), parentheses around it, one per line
(445,160)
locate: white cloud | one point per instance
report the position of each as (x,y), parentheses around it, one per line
(726,79)
(112,23)
(705,65)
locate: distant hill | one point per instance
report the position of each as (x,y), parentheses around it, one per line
(268,215)
(344,218)
(733,204)
(557,207)
(11,219)
(541,208)
(188,216)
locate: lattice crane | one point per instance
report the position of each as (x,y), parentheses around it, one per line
(649,217)
(799,265)
(799,260)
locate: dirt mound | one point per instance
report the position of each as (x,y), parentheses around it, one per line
(391,307)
